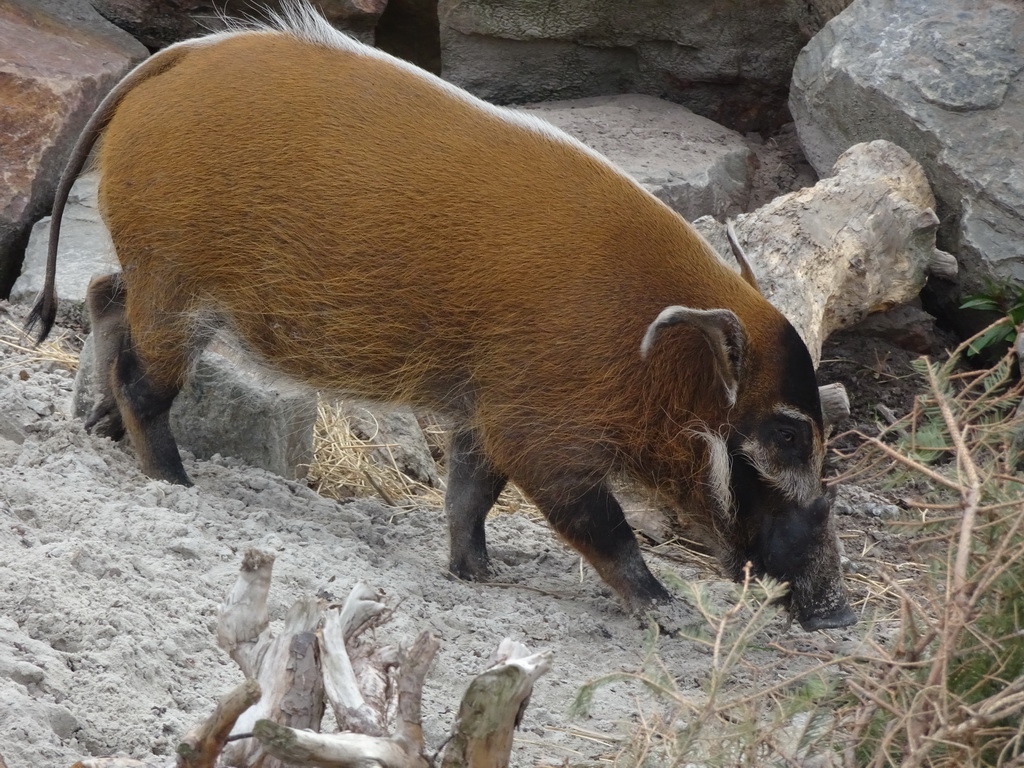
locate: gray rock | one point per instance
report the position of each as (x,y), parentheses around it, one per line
(83,392)
(401,440)
(942,80)
(85,252)
(158,23)
(58,58)
(694,165)
(230,409)
(725,60)
(858,501)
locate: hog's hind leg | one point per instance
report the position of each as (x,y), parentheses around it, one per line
(145,407)
(473,487)
(105,300)
(159,341)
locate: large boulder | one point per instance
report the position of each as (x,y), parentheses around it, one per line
(229,408)
(57,60)
(157,23)
(694,165)
(725,60)
(943,80)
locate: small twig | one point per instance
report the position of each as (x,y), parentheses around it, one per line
(906,461)
(511,585)
(379,489)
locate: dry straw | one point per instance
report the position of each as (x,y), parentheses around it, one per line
(57,349)
(348,466)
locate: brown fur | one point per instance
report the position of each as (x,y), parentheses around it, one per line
(503,253)
(370,231)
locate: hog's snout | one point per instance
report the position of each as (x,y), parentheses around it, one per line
(800,546)
(842,617)
(791,541)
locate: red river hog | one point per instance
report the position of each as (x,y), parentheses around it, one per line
(365,228)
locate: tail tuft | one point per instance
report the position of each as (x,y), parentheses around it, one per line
(44,312)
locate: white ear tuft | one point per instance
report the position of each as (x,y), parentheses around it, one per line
(722,330)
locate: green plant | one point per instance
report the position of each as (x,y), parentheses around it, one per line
(1006,299)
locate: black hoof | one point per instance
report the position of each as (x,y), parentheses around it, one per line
(105,421)
(844,617)
(479,570)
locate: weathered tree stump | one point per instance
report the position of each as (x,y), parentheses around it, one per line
(493,706)
(273,718)
(835,403)
(859,241)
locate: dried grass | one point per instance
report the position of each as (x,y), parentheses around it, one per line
(346,466)
(724,722)
(61,348)
(950,691)
(937,678)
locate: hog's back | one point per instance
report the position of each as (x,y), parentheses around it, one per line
(369,229)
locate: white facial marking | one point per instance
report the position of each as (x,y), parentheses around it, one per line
(718,472)
(801,484)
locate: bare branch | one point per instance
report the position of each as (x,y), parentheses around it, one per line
(340,684)
(202,746)
(343,750)
(414,667)
(243,619)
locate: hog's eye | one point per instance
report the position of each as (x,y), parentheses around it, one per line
(787,435)
(791,437)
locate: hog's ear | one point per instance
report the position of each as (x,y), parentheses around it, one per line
(725,336)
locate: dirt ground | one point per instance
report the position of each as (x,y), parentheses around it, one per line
(110,583)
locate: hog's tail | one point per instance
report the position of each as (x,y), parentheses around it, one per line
(44,311)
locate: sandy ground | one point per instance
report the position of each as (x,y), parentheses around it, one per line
(110,584)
